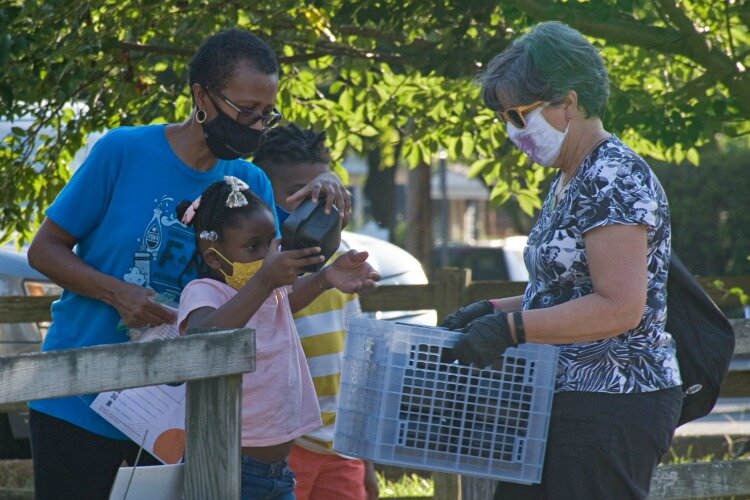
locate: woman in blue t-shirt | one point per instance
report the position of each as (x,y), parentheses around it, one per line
(597,261)
(118,211)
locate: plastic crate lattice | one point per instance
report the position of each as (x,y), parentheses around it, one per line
(400,405)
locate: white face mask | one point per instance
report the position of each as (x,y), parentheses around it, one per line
(539,140)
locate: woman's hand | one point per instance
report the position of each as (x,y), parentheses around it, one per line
(282,268)
(486,339)
(467,314)
(350,273)
(137,309)
(334,191)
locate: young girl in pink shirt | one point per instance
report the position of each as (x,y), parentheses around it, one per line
(246,281)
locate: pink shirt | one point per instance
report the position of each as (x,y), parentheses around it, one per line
(278,398)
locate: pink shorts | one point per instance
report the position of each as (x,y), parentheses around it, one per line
(324,476)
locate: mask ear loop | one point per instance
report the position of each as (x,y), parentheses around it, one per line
(216,251)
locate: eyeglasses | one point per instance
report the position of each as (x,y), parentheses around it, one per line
(517,114)
(249,117)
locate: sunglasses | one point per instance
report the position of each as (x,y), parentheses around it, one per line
(249,117)
(516,115)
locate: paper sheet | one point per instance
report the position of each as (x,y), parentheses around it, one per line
(158,409)
(156,413)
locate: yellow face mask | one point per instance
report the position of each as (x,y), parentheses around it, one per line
(241,271)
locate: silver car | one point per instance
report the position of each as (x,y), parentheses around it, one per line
(17,278)
(396,267)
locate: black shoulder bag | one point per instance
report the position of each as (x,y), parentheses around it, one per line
(704,338)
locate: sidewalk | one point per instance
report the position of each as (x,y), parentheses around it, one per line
(725,431)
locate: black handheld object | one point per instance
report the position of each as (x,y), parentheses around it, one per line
(309,226)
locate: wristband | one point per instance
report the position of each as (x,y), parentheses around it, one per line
(518,323)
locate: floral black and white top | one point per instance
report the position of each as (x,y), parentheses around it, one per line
(613,185)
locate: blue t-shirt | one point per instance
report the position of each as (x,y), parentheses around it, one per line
(120,206)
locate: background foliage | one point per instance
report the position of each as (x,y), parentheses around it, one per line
(390,74)
(709,209)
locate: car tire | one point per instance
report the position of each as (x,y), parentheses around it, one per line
(10,447)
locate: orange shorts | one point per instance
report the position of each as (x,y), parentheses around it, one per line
(323,477)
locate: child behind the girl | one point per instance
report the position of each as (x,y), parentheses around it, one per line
(245,282)
(291,157)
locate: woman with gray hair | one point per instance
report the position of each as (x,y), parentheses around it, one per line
(597,259)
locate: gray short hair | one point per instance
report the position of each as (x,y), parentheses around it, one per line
(543,65)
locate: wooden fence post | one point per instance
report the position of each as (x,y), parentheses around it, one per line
(477,488)
(451,284)
(213,412)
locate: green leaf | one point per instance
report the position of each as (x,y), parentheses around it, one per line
(478,166)
(413,155)
(693,156)
(355,142)
(528,201)
(335,87)
(368,131)
(345,100)
(467,145)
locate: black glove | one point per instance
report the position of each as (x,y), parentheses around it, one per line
(467,314)
(486,339)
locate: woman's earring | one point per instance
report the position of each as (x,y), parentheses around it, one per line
(200,115)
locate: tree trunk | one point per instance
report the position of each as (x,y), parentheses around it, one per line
(380,189)
(419,215)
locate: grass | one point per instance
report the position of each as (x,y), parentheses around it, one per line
(16,474)
(738,451)
(408,485)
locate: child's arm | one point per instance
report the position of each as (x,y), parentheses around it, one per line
(349,273)
(278,269)
(237,311)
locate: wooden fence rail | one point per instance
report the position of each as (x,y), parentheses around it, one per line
(212,364)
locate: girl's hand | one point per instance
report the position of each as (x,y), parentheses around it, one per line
(350,273)
(282,268)
(334,191)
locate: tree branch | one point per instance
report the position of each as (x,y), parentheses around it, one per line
(695,88)
(679,19)
(307,56)
(617,29)
(730,38)
(628,31)
(367,32)
(155,49)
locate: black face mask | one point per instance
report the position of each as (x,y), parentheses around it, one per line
(229,140)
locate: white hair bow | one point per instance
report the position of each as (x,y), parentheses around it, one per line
(236,198)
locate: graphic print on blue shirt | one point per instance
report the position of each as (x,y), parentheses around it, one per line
(165,249)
